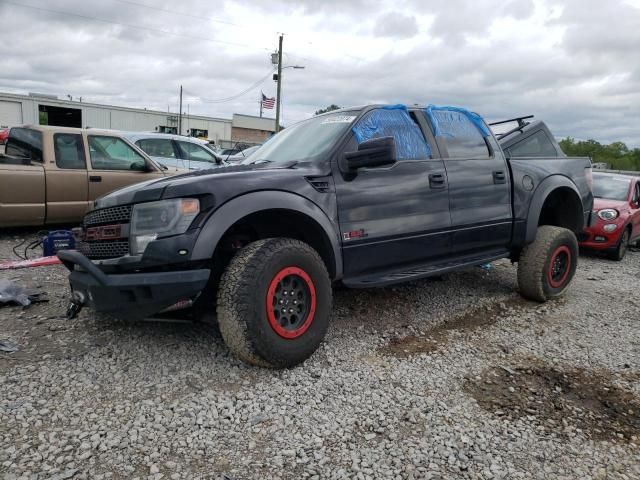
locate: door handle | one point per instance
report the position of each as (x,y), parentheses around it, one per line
(437,180)
(95,178)
(499,177)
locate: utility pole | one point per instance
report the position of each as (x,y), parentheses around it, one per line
(279,84)
(180,114)
(260,103)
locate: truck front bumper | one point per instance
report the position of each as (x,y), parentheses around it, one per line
(131,295)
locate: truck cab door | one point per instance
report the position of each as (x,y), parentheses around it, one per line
(115,164)
(479,182)
(66,178)
(397,214)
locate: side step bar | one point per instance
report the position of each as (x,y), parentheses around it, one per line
(416,272)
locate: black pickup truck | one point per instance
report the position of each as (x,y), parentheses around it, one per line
(366,196)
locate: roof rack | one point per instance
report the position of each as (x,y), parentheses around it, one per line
(521,125)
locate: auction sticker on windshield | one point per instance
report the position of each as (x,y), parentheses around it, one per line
(339,119)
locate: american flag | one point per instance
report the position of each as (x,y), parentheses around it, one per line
(268,102)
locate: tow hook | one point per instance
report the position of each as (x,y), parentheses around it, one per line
(77,302)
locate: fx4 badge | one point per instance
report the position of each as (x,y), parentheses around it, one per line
(354,234)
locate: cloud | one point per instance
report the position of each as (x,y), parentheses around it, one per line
(558,59)
(396,25)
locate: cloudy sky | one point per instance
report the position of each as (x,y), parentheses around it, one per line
(574,63)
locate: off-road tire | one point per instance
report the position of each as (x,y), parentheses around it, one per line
(245,319)
(536,278)
(623,246)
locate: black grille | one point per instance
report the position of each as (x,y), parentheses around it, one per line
(106,216)
(104,249)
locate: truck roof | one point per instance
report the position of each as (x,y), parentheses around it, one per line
(53,128)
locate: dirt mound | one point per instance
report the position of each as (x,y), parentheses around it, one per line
(561,401)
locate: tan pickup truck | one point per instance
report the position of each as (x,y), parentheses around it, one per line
(52,175)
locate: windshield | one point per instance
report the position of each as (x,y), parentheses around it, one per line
(613,188)
(304,140)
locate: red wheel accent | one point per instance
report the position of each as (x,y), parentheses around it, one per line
(291,325)
(559,266)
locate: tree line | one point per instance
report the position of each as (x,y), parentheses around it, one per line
(616,154)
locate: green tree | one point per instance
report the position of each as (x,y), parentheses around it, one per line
(617,154)
(330,108)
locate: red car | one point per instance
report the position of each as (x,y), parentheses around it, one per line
(617,209)
(4,134)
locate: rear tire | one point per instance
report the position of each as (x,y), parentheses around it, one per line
(621,249)
(274,303)
(547,266)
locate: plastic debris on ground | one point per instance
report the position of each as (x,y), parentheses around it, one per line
(394,121)
(486,267)
(12,293)
(32,262)
(8,347)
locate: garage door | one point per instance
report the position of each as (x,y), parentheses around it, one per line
(10,114)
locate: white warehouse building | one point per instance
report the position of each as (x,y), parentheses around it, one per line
(39,109)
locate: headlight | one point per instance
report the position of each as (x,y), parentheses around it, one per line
(610,227)
(160,219)
(608,214)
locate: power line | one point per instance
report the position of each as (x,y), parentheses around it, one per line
(237,95)
(174,12)
(137,27)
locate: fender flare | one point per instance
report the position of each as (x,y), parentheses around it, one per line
(540,194)
(239,207)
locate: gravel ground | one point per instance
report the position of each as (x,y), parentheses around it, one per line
(454,377)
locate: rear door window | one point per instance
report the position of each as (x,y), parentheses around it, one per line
(24,142)
(536,145)
(69,151)
(157,147)
(191,151)
(113,153)
(462,138)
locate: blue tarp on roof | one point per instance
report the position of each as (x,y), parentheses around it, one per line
(394,121)
(454,121)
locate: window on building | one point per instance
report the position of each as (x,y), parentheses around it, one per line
(537,145)
(113,153)
(157,147)
(69,151)
(198,133)
(165,129)
(191,151)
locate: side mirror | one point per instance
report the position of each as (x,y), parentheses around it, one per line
(376,152)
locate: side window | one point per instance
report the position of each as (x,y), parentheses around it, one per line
(461,135)
(113,153)
(396,123)
(69,151)
(191,151)
(636,193)
(537,145)
(157,147)
(23,142)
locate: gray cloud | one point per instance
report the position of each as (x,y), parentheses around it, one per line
(396,25)
(586,86)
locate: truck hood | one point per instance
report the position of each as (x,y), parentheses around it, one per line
(221,182)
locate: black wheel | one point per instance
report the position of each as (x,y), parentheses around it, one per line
(547,266)
(274,302)
(622,247)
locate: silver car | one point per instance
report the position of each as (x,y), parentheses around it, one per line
(176,151)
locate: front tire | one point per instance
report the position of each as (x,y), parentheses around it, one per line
(623,245)
(274,303)
(547,266)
